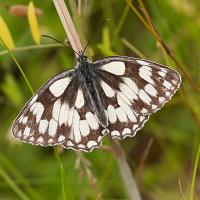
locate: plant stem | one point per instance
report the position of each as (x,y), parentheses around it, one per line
(30,47)
(74,40)
(12,184)
(192,190)
(151,28)
(68,25)
(127,176)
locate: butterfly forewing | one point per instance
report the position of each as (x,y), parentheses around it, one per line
(40,121)
(146,85)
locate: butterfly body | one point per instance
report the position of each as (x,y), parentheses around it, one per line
(88,81)
(115,95)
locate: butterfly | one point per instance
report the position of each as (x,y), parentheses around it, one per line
(76,108)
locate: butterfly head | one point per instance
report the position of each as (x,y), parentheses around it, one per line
(82,58)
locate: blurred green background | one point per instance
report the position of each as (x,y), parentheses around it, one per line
(161,156)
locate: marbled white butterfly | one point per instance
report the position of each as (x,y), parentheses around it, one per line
(76,108)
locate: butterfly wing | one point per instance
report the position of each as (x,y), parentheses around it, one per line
(59,114)
(40,122)
(87,133)
(132,89)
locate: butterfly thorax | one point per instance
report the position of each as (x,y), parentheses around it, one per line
(89,83)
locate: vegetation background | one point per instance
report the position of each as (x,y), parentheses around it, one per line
(163,156)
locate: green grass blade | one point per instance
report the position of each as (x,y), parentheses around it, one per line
(192,190)
(12,184)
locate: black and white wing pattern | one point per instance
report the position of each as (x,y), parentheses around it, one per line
(58,114)
(115,95)
(42,121)
(133,89)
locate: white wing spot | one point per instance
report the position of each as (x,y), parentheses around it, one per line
(50,141)
(142,62)
(124,98)
(38,111)
(146,75)
(121,114)
(144,110)
(144,97)
(112,114)
(126,131)
(81,146)
(154,106)
(91,144)
(162,74)
(167,84)
(77,134)
(167,94)
(131,84)
(84,128)
(174,81)
(115,133)
(107,89)
(58,87)
(33,107)
(40,140)
(33,100)
(19,134)
(70,117)
(128,92)
(69,143)
(64,111)
(127,109)
(24,120)
(79,99)
(161,99)
(92,121)
(135,126)
(43,126)
(31,139)
(52,127)
(27,131)
(61,138)
(150,90)
(56,109)
(115,67)
(142,118)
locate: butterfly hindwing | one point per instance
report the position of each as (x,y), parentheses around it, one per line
(86,133)
(123,121)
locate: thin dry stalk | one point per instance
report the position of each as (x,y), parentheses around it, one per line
(82,161)
(68,25)
(125,170)
(142,162)
(150,26)
(126,173)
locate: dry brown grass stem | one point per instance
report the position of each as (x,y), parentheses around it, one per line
(68,25)
(126,173)
(151,28)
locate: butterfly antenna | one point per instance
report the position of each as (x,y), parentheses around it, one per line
(91,38)
(47,36)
